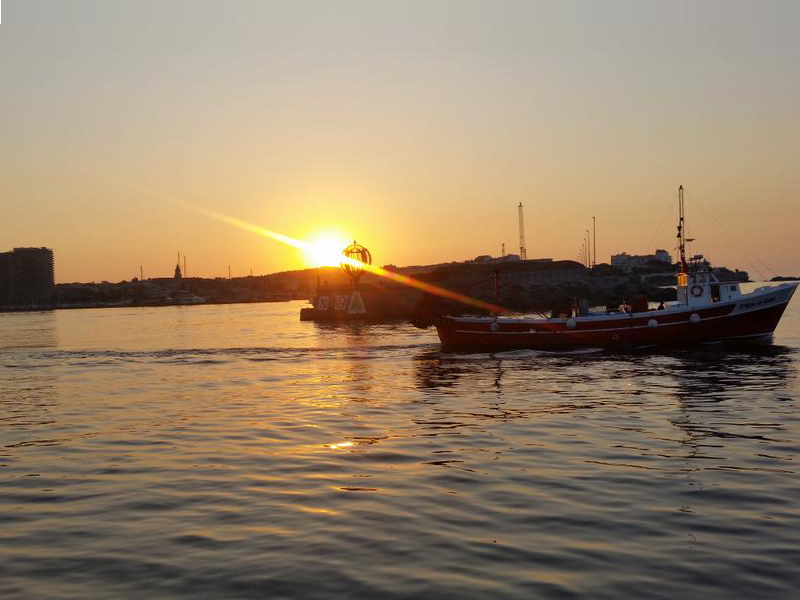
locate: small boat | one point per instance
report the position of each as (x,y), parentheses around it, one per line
(707,310)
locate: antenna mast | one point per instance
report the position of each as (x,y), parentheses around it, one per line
(588,250)
(681,230)
(522,253)
(594,242)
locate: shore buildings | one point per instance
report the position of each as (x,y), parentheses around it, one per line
(27,277)
(628,262)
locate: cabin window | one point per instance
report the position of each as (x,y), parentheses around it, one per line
(714,292)
(733,288)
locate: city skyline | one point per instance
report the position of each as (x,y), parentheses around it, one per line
(414,128)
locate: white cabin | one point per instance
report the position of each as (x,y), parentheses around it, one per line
(701,287)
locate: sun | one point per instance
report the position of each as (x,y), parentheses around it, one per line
(325,250)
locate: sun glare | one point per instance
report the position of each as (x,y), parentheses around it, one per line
(326,250)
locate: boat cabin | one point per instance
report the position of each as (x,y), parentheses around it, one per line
(698,285)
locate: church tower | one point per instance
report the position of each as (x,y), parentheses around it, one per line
(178,275)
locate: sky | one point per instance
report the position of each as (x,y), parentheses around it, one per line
(413,127)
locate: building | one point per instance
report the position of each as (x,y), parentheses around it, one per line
(628,262)
(27,277)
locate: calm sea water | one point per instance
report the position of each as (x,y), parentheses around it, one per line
(235,452)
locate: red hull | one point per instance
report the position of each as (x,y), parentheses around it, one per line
(746,318)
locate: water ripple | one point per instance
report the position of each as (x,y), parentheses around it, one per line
(234,452)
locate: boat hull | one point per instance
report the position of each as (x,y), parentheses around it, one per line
(751,316)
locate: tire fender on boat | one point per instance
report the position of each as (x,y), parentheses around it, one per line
(694,318)
(571,323)
(652,323)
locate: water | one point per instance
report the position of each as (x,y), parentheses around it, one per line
(235,452)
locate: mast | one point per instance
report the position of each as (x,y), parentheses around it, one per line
(681,231)
(588,250)
(594,242)
(522,253)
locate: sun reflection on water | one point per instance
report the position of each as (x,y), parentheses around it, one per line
(340,445)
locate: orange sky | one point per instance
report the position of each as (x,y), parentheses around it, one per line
(414,127)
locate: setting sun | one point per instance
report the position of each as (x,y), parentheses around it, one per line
(326,250)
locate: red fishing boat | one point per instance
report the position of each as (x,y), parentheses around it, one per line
(707,310)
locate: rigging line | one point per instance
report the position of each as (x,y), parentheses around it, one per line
(761,262)
(732,242)
(767,267)
(740,246)
(660,231)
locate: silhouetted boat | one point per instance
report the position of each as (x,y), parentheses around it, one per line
(707,310)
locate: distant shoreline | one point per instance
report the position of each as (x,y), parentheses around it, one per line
(137,305)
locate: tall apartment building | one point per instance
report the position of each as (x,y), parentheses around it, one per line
(27,277)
